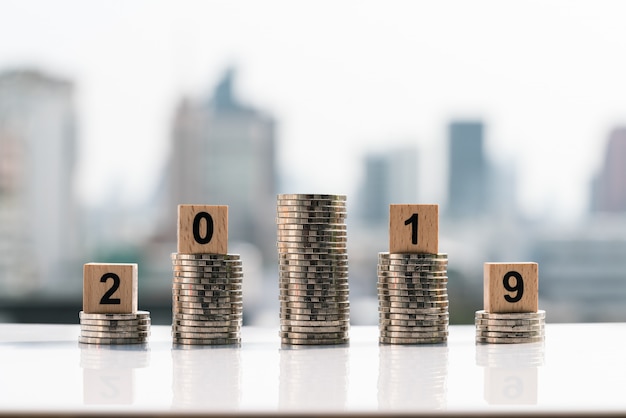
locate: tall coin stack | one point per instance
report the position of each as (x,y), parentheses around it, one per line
(510,313)
(412,298)
(207,303)
(114,328)
(313,269)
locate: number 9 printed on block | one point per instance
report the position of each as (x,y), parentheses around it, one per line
(203,229)
(109,288)
(511,287)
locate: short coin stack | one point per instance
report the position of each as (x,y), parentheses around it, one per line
(510,328)
(313,269)
(114,328)
(412,298)
(207,299)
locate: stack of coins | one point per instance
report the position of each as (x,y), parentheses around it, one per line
(313,269)
(114,328)
(207,305)
(412,298)
(510,328)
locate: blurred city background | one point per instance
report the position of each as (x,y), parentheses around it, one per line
(511,116)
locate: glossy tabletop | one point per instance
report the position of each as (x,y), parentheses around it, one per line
(579,367)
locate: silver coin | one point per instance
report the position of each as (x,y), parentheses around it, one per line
(330,223)
(418,296)
(307,241)
(509,323)
(344,323)
(495,340)
(314,329)
(218,257)
(313,317)
(482,314)
(224,264)
(413,334)
(301,212)
(331,246)
(416,256)
(385,312)
(413,279)
(428,320)
(206,341)
(301,196)
(313,336)
(104,328)
(197,294)
(510,328)
(405,316)
(114,316)
(207,284)
(411,274)
(313,233)
(434,327)
(219,272)
(206,329)
(289,295)
(182,304)
(314,299)
(504,334)
(298,311)
(328,270)
(231,277)
(108,341)
(215,301)
(311,257)
(114,334)
(293,341)
(288,276)
(113,323)
(304,227)
(317,305)
(207,292)
(392,340)
(314,266)
(319,251)
(413,287)
(405,270)
(413,302)
(176,308)
(205,335)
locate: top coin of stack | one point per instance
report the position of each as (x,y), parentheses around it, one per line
(207,303)
(412,279)
(313,269)
(110,314)
(511,315)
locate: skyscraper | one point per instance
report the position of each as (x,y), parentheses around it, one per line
(467,187)
(390,177)
(38,226)
(223,153)
(609,188)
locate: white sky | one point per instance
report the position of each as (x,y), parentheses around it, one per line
(342,78)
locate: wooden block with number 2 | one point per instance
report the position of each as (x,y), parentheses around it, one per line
(511,287)
(202,229)
(109,288)
(414,229)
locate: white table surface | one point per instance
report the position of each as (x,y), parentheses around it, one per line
(579,367)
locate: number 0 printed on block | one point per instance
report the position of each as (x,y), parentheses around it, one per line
(202,229)
(511,287)
(414,229)
(109,288)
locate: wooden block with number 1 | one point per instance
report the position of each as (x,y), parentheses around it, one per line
(203,229)
(110,288)
(511,287)
(414,229)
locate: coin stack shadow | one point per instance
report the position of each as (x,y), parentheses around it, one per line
(510,328)
(313,269)
(207,307)
(412,298)
(114,328)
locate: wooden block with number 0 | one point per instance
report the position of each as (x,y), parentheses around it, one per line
(109,288)
(202,229)
(414,229)
(511,287)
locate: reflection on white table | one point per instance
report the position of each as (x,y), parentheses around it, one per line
(580,367)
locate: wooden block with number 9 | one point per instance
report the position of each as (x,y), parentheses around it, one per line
(511,287)
(414,229)
(109,288)
(202,229)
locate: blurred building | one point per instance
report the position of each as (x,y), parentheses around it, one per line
(390,177)
(609,186)
(467,182)
(38,224)
(223,153)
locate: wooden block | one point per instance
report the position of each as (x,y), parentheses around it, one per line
(414,229)
(109,288)
(511,287)
(202,229)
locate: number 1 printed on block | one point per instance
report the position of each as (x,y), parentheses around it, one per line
(202,229)
(414,229)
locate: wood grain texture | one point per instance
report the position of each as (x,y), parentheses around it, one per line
(94,289)
(495,292)
(190,215)
(400,233)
